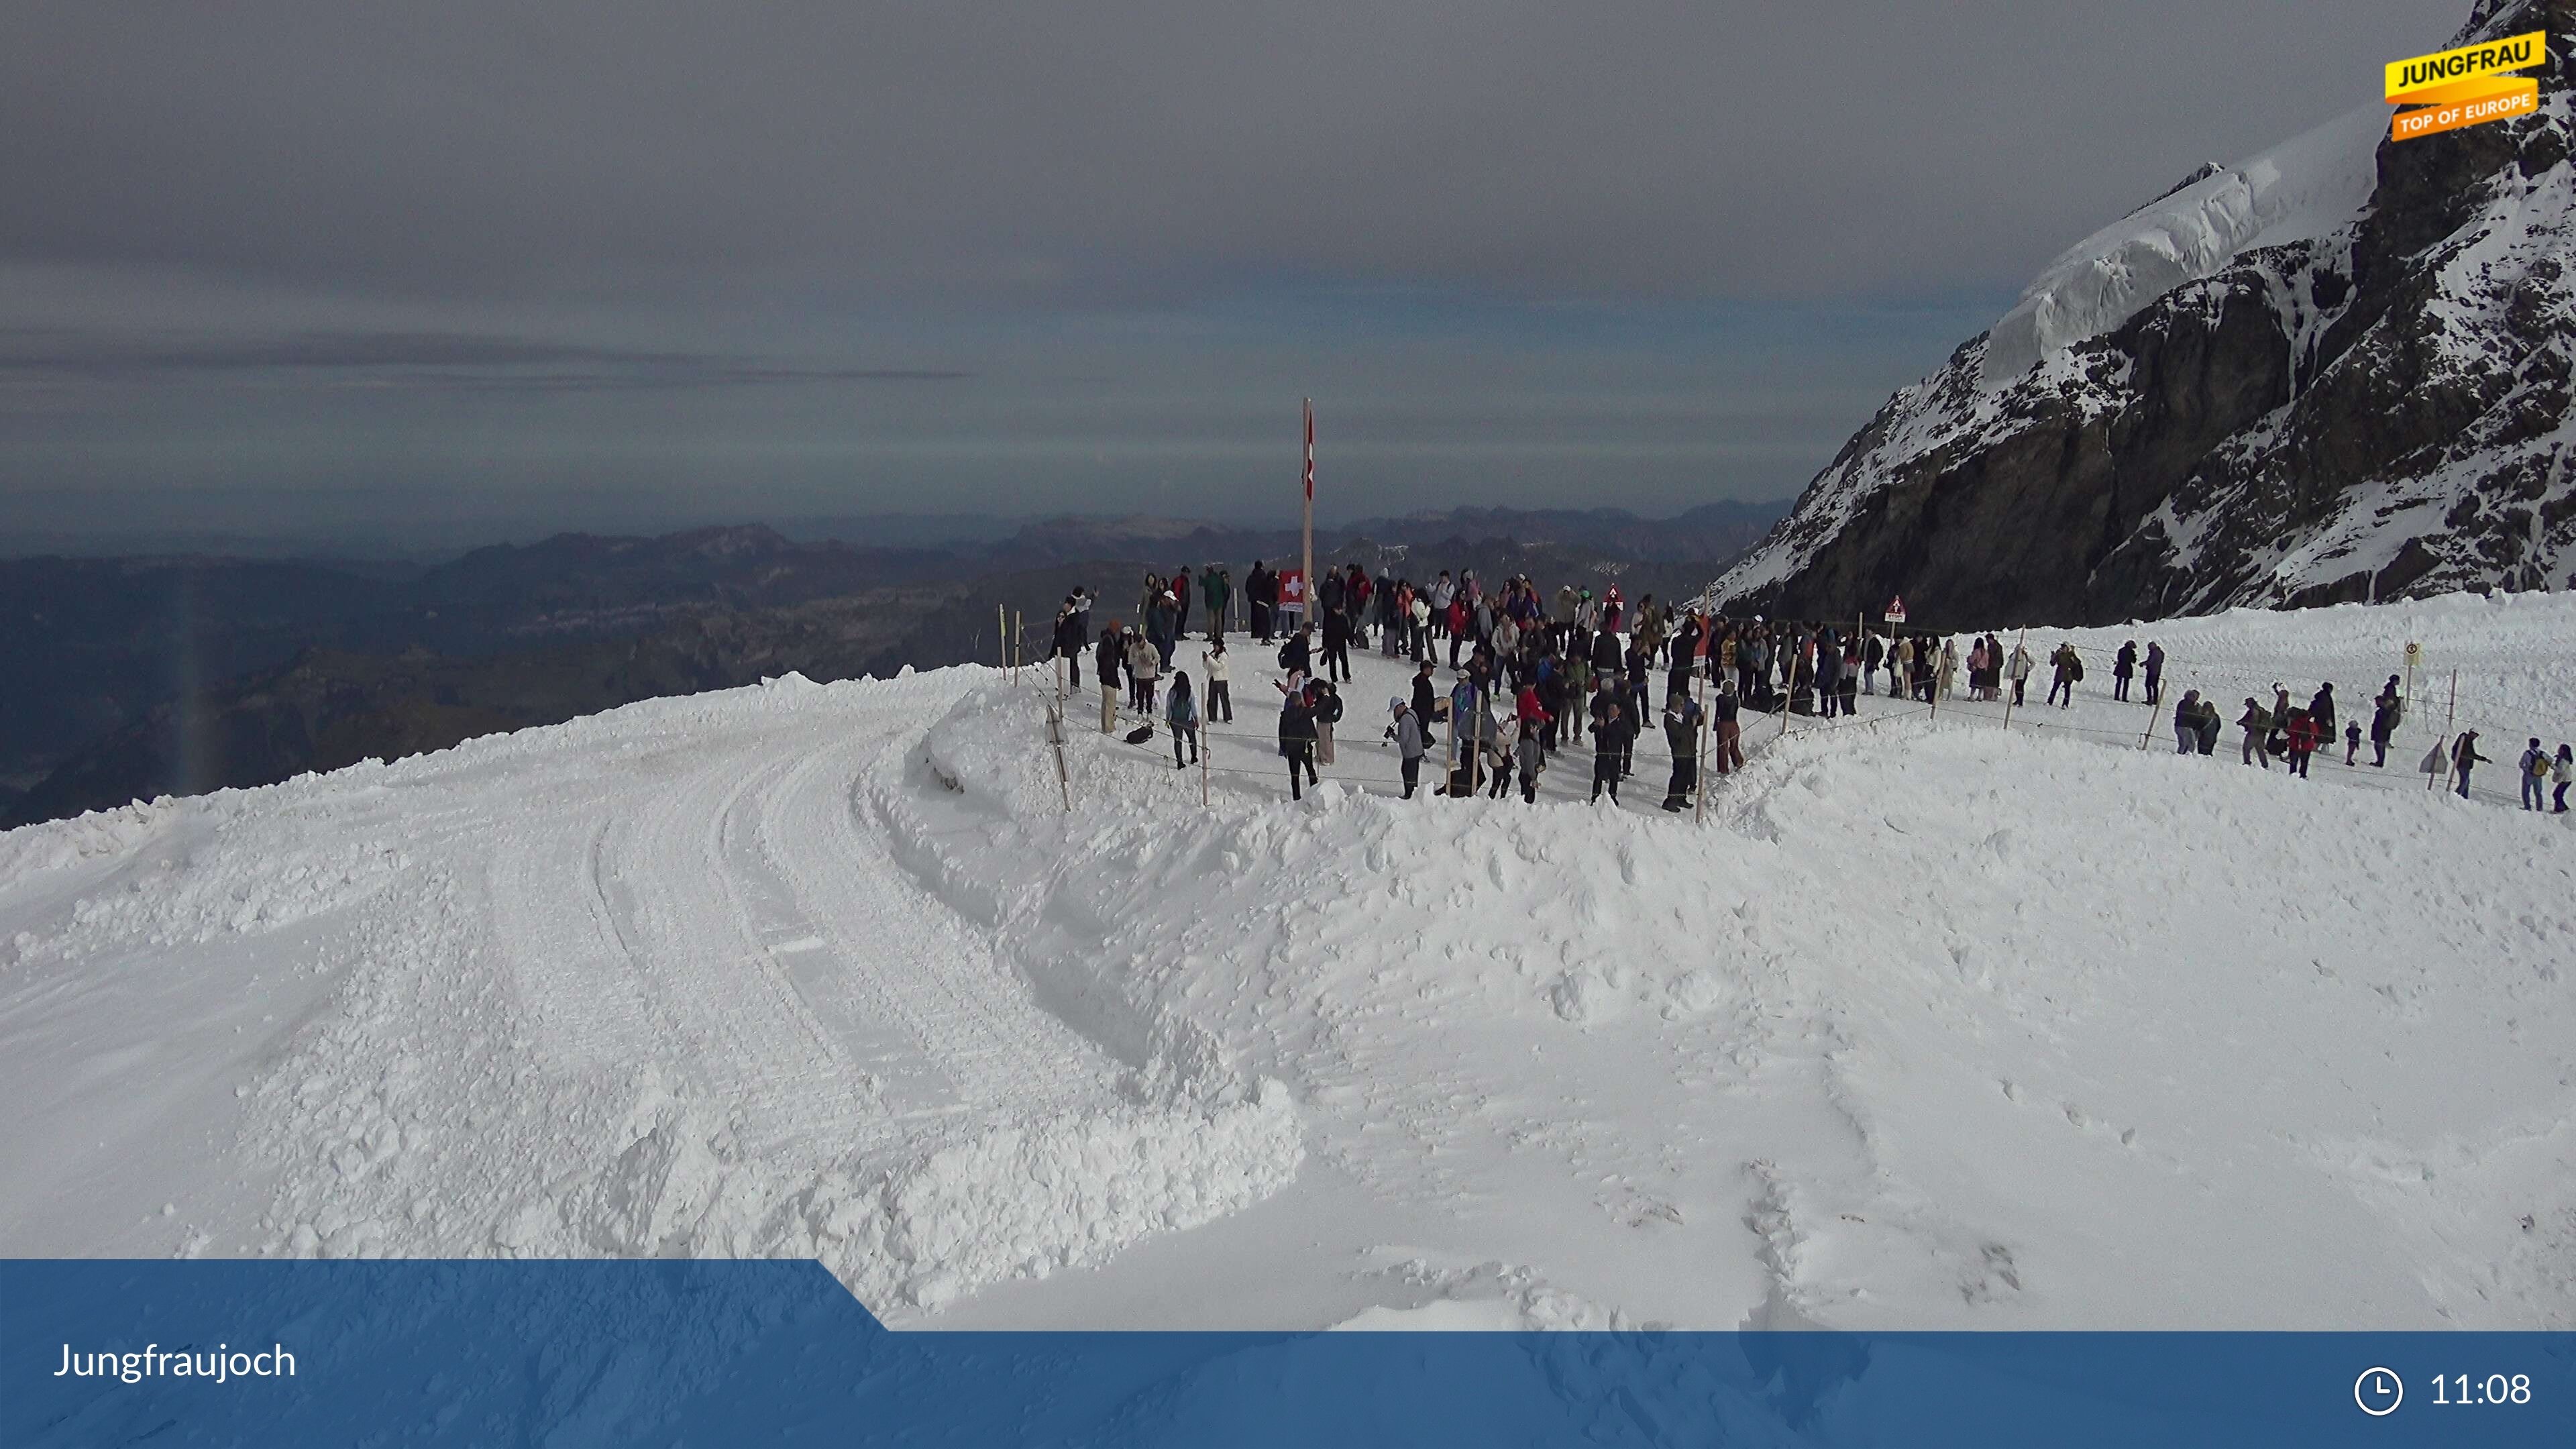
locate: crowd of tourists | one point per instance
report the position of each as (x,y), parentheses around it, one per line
(1534,674)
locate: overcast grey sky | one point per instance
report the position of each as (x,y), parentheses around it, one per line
(484,269)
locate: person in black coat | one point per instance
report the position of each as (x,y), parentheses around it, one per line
(1297,738)
(1072,634)
(1111,657)
(1260,596)
(2384,714)
(1612,732)
(1681,733)
(1297,656)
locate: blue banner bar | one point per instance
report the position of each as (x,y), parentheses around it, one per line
(700,1353)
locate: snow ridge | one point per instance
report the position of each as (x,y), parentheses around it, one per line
(2303,188)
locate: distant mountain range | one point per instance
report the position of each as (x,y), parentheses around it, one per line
(136,677)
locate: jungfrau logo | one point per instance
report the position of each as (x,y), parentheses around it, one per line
(2469,86)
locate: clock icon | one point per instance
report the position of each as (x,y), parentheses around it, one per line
(2378,1392)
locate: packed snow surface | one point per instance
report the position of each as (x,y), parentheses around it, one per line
(1930,1023)
(2300,189)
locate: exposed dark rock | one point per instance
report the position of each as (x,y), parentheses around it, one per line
(2381,408)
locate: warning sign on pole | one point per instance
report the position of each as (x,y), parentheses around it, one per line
(1896,610)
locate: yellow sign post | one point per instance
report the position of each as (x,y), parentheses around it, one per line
(2469,86)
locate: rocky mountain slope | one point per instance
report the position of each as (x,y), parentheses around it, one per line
(2337,371)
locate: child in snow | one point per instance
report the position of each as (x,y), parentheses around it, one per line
(2351,741)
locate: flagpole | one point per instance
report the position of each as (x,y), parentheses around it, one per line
(1306,614)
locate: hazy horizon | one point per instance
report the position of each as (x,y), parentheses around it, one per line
(498,270)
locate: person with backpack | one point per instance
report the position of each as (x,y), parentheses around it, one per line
(2124,667)
(1181,712)
(2384,713)
(1328,713)
(1220,700)
(2535,774)
(2257,724)
(2562,773)
(2465,757)
(2069,669)
(1297,739)
(2186,723)
(1410,746)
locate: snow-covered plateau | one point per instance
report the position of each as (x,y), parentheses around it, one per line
(1929,1023)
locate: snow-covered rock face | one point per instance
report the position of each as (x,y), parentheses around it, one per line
(2306,188)
(2337,371)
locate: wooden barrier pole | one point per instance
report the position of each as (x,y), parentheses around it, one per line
(1699,757)
(2019,640)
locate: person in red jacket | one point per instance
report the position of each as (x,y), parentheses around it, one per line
(2304,736)
(1533,715)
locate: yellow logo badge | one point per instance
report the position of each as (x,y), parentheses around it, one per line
(2469,86)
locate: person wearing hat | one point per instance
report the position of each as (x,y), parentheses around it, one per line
(2464,756)
(1406,732)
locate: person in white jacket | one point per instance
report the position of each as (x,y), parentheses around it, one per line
(1220,702)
